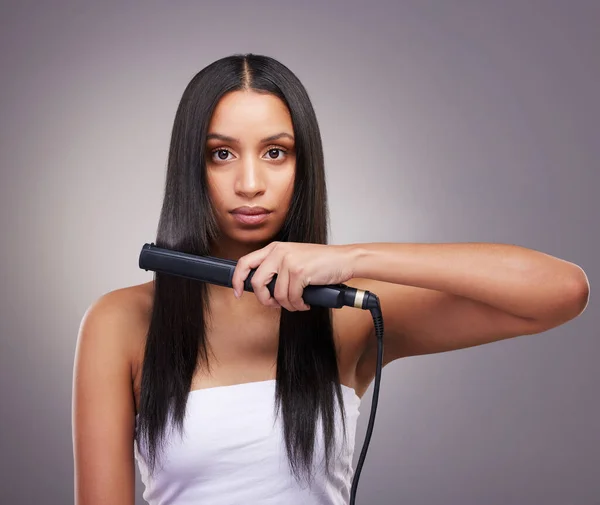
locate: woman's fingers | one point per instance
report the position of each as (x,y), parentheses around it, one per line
(281,289)
(297,283)
(247,263)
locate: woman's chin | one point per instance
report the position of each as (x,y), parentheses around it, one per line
(253,234)
(252,239)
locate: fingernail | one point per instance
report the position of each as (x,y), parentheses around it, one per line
(236,293)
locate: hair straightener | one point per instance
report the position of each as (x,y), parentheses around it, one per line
(220,272)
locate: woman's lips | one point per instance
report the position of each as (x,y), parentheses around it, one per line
(250,218)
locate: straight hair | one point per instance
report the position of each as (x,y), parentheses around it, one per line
(307,375)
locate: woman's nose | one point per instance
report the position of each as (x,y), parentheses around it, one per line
(250,179)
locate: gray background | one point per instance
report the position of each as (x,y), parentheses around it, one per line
(443,121)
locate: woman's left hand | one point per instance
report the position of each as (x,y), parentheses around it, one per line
(297,265)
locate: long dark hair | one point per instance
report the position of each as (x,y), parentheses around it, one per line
(307,377)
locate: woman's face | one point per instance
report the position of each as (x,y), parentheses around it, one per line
(250,162)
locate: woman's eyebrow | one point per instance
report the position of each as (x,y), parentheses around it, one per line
(226,138)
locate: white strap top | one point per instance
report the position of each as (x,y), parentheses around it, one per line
(233,452)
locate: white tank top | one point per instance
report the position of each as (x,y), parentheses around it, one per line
(233,452)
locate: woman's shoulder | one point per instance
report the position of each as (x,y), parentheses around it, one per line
(122,317)
(128,307)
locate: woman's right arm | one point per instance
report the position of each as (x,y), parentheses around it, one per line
(103,414)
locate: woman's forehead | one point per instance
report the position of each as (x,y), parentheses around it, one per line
(247,115)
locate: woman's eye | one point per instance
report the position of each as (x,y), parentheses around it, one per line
(274,151)
(221,153)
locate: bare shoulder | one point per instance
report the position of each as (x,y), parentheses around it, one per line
(112,336)
(122,316)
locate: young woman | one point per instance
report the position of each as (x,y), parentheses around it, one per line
(227,399)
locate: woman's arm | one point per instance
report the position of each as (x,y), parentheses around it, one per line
(103,405)
(442,297)
(434,297)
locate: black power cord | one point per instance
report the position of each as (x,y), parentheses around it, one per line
(378,322)
(220,272)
